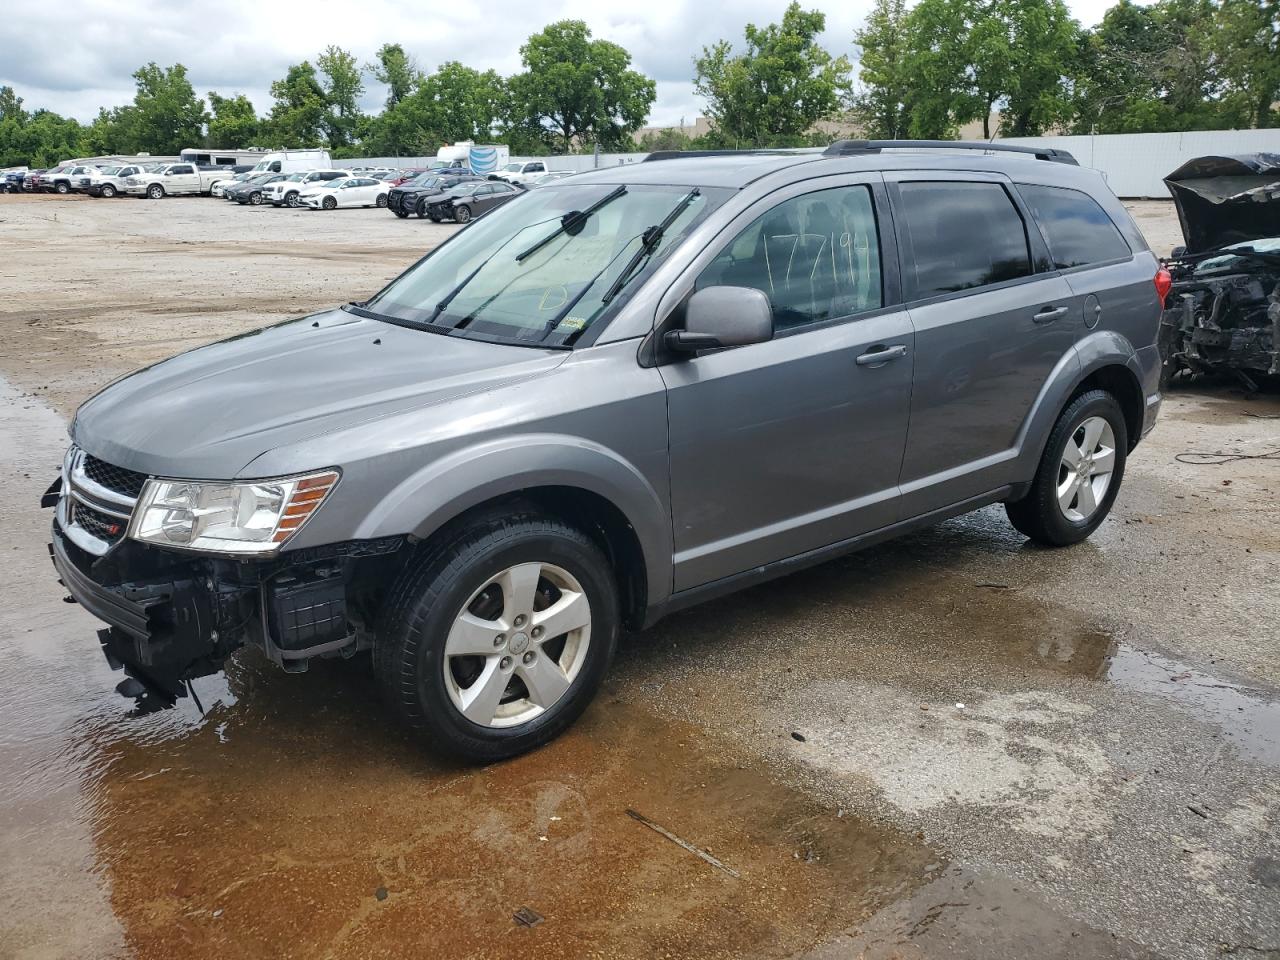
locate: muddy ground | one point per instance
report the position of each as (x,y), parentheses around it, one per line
(954,745)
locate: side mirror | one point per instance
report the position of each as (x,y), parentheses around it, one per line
(723,317)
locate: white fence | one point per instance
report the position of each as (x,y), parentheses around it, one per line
(1136,163)
(1133,163)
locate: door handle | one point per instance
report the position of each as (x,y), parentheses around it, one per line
(881,354)
(1049,314)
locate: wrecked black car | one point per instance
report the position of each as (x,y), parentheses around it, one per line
(1222,313)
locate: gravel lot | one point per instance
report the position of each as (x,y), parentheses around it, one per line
(954,745)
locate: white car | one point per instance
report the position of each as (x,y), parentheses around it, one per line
(347,192)
(220,187)
(285,192)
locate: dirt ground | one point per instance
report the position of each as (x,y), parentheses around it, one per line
(953,745)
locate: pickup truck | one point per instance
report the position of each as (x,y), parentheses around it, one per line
(109,181)
(173,179)
(66,179)
(522,171)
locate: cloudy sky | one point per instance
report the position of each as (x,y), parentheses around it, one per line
(81,56)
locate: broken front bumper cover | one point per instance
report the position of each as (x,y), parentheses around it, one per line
(174,617)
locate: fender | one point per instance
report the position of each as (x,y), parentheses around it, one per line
(1101,348)
(445,488)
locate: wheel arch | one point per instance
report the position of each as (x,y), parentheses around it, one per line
(567,477)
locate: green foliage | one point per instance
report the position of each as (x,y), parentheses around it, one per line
(454,103)
(581,91)
(1247,42)
(38,139)
(342,88)
(773,92)
(397,70)
(166,114)
(300,109)
(233,123)
(882,106)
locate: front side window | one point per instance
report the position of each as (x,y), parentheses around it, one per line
(817,256)
(1078,231)
(545,267)
(180,170)
(963,235)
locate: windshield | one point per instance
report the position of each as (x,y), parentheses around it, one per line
(514,167)
(477,284)
(296,177)
(1230,262)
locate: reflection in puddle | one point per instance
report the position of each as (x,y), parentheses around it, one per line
(316,829)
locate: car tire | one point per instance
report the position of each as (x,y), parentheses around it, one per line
(255,198)
(1073,490)
(107,191)
(155,192)
(291,198)
(329,203)
(381,202)
(63,188)
(434,218)
(401,214)
(462,214)
(469,574)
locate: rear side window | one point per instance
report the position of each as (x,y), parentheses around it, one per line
(963,235)
(817,256)
(1078,231)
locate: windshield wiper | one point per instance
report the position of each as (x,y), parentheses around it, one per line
(570,222)
(648,243)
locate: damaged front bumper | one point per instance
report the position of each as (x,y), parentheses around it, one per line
(174,616)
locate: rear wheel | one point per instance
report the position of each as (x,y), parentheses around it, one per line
(382,201)
(1079,474)
(62,187)
(401,214)
(329,203)
(255,198)
(496,641)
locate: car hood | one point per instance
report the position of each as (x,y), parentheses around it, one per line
(211,411)
(1226,200)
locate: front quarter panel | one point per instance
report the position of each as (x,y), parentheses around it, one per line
(597,422)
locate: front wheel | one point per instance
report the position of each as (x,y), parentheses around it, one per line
(155,191)
(401,214)
(461,214)
(291,198)
(255,199)
(329,203)
(495,642)
(382,201)
(1079,474)
(107,191)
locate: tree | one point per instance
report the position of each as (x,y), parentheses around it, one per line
(454,103)
(10,104)
(582,91)
(1247,41)
(300,107)
(882,105)
(167,115)
(397,70)
(773,92)
(342,87)
(938,61)
(1043,41)
(233,123)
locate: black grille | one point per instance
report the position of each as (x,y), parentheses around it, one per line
(98,524)
(114,478)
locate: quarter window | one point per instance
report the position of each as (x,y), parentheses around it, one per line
(1078,231)
(817,256)
(963,235)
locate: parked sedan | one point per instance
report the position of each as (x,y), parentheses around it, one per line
(469,200)
(410,196)
(252,190)
(348,192)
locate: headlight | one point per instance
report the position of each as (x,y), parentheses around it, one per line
(256,516)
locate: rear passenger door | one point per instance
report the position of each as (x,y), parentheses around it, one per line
(992,320)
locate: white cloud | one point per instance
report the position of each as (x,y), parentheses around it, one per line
(84,58)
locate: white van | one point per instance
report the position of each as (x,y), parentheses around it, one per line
(293,161)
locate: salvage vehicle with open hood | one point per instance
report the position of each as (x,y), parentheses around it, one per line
(608,399)
(1222,313)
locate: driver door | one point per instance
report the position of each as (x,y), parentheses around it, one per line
(785,447)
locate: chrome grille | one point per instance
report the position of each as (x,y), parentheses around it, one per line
(118,479)
(97,501)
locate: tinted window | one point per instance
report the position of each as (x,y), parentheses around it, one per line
(963,235)
(817,256)
(173,170)
(1077,229)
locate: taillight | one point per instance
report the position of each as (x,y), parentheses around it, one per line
(1163,282)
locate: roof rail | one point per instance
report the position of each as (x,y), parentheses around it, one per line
(847,148)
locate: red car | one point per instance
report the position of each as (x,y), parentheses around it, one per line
(404,175)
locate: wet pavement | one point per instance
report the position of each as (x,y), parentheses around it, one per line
(954,745)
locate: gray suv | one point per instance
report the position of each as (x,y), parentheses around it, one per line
(614,397)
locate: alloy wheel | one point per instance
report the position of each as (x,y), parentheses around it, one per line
(517,645)
(1084,474)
